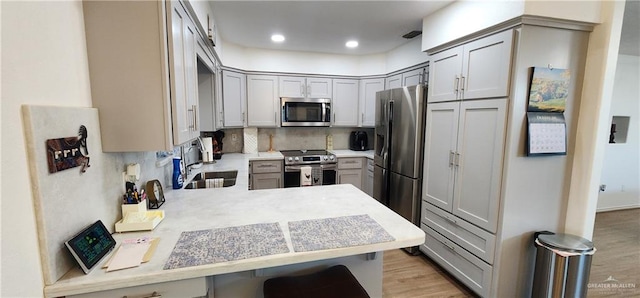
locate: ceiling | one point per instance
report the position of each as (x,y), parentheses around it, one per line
(322,26)
(325,26)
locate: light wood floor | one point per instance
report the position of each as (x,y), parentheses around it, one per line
(616,237)
(406,276)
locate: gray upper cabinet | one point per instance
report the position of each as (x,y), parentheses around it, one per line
(393,81)
(183,75)
(311,87)
(478,69)
(345,103)
(414,77)
(262,101)
(368,89)
(234,98)
(157,95)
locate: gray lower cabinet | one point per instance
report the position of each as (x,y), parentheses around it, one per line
(265,174)
(195,287)
(466,267)
(368,178)
(350,171)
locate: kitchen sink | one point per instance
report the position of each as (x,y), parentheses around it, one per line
(206,179)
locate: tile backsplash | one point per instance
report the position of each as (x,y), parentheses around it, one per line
(293,138)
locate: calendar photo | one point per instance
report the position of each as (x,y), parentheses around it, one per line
(546,134)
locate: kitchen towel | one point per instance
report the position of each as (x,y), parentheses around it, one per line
(305,176)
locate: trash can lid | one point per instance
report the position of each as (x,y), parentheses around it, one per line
(566,242)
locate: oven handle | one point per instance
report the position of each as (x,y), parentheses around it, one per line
(297,168)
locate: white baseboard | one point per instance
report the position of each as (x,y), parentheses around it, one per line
(616,208)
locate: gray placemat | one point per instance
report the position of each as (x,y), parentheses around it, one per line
(328,233)
(203,247)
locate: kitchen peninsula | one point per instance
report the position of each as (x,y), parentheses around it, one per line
(193,210)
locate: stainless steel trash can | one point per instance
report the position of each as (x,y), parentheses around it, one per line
(563,262)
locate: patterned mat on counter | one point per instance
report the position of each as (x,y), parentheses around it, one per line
(203,247)
(328,233)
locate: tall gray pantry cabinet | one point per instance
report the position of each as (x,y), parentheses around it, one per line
(143,73)
(477,220)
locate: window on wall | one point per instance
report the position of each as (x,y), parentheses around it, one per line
(619,129)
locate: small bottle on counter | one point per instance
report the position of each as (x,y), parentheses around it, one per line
(177,174)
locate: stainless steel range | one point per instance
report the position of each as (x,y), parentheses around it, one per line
(320,163)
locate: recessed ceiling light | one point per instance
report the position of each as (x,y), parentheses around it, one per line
(351,44)
(277,38)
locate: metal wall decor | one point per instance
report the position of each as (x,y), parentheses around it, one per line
(67,153)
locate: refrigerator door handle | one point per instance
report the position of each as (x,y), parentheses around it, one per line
(385,187)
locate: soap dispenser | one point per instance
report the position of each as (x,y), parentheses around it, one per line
(177,173)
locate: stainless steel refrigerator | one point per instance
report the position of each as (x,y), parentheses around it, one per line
(399,150)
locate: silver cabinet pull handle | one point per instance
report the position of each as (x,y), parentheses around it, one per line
(457,161)
(362,117)
(152,295)
(455,84)
(195,117)
(463,82)
(451,154)
(302,90)
(450,219)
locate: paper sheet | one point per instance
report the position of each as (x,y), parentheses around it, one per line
(131,253)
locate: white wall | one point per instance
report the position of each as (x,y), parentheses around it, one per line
(465,17)
(462,18)
(44,61)
(405,55)
(253,59)
(621,166)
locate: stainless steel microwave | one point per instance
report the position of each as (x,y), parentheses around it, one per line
(306,111)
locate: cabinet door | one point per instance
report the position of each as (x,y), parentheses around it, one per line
(485,71)
(266,181)
(219,98)
(368,187)
(394,82)
(319,88)
(368,89)
(191,76)
(292,86)
(444,75)
(234,97)
(440,143)
(181,105)
(206,98)
(353,177)
(413,77)
(262,101)
(345,103)
(479,171)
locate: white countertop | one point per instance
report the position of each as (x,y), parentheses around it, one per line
(190,210)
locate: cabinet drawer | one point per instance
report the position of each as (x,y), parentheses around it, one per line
(266,166)
(195,287)
(468,269)
(477,241)
(350,163)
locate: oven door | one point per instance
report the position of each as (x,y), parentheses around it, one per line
(321,175)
